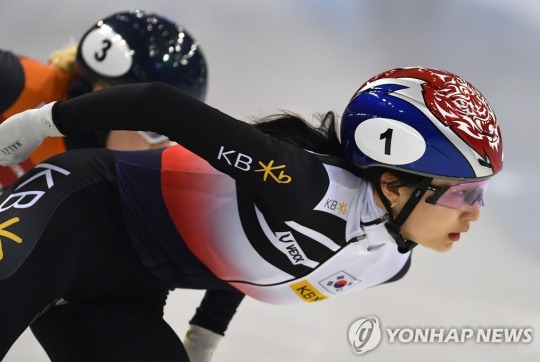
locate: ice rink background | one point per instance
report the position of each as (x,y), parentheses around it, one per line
(309,56)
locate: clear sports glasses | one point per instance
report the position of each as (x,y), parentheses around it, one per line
(152,137)
(459,196)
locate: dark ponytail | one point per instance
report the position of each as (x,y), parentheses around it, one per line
(291,128)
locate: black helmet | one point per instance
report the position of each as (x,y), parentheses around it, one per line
(138,46)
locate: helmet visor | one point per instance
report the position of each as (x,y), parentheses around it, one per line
(459,196)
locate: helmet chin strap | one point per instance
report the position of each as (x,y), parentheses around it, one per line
(393,225)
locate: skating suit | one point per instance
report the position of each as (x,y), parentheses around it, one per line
(230,203)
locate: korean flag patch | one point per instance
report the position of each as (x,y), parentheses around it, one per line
(338,282)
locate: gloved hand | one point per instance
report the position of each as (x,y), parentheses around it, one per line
(200,343)
(22,133)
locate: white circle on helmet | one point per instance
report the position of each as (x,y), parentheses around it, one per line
(389,141)
(106,52)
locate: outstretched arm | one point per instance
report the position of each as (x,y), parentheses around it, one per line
(276,173)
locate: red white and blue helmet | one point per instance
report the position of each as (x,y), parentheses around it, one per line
(424,121)
(137,46)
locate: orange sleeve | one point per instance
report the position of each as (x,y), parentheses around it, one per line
(42,84)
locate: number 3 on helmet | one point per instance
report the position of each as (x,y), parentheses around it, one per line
(137,46)
(424,121)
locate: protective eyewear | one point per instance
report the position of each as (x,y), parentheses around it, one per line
(152,137)
(459,196)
